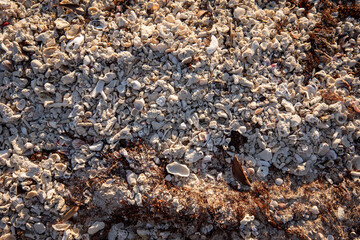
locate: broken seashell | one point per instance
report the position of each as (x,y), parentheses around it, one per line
(61,23)
(67,215)
(49,52)
(178,169)
(73,32)
(7,114)
(139,104)
(75,43)
(238,172)
(61,226)
(7,65)
(93,11)
(213,45)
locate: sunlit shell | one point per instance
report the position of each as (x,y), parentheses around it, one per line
(93,11)
(60,226)
(73,31)
(7,64)
(49,52)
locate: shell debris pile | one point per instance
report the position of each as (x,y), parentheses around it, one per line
(82,78)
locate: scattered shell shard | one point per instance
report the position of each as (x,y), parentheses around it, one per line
(213,45)
(7,115)
(61,23)
(178,169)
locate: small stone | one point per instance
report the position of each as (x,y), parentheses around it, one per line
(323,149)
(39,228)
(139,104)
(341,213)
(168,178)
(242,129)
(49,87)
(97,226)
(147,31)
(161,101)
(36,65)
(239,12)
(279,181)
(138,199)
(282,205)
(330,237)
(250,171)
(143,232)
(96,147)
(131,178)
(68,78)
(4,4)
(265,155)
(192,155)
(136,85)
(315,210)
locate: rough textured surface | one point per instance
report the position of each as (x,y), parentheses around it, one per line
(98,97)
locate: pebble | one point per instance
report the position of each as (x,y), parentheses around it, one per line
(139,104)
(97,226)
(39,227)
(68,78)
(250,171)
(266,154)
(341,213)
(315,210)
(61,23)
(279,181)
(131,178)
(330,237)
(239,12)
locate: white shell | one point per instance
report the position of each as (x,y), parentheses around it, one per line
(75,43)
(213,45)
(97,226)
(178,169)
(192,155)
(265,155)
(61,23)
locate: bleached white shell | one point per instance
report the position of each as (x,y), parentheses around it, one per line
(75,43)
(61,23)
(178,169)
(213,45)
(61,226)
